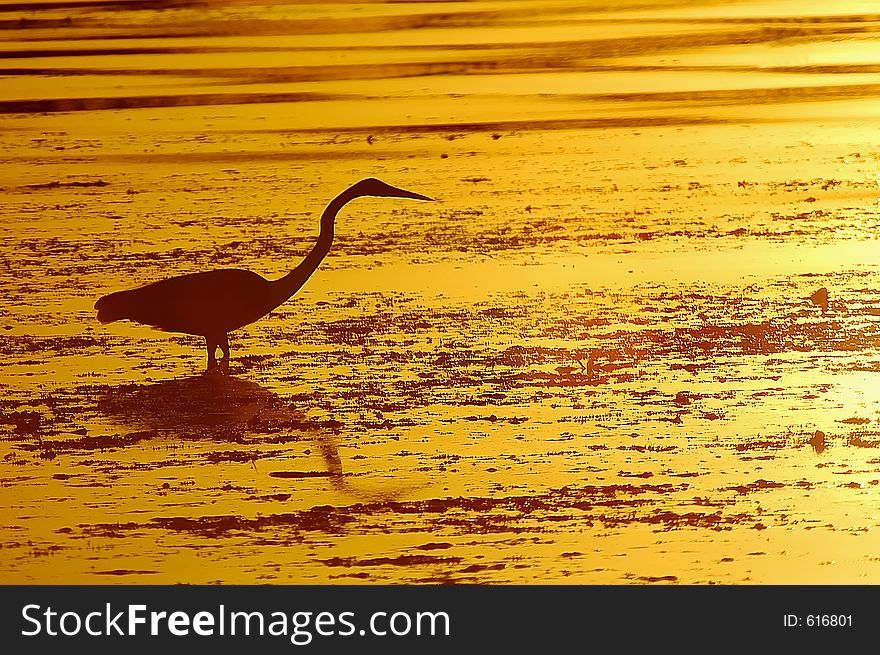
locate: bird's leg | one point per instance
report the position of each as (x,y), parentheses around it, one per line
(224,346)
(211,344)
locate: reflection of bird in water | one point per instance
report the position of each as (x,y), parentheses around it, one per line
(223,409)
(214,303)
(817,441)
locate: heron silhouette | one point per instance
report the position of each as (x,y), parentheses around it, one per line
(214,303)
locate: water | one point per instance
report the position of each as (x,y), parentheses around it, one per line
(593,359)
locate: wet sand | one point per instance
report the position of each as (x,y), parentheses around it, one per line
(594,359)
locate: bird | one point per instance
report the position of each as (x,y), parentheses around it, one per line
(212,304)
(817,441)
(820,299)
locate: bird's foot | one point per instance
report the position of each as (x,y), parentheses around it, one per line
(218,367)
(215,369)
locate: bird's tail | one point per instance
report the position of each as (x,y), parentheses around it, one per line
(111,307)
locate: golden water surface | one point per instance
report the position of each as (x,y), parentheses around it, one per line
(594,359)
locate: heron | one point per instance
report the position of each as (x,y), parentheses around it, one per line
(214,303)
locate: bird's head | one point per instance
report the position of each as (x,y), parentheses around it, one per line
(373,187)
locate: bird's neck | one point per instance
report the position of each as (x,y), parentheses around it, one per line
(288,285)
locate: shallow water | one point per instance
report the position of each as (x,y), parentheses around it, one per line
(594,359)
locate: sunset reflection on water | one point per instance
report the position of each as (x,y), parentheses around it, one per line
(594,359)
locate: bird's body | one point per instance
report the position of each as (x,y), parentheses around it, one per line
(214,303)
(198,303)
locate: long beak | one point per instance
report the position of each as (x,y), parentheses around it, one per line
(403,193)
